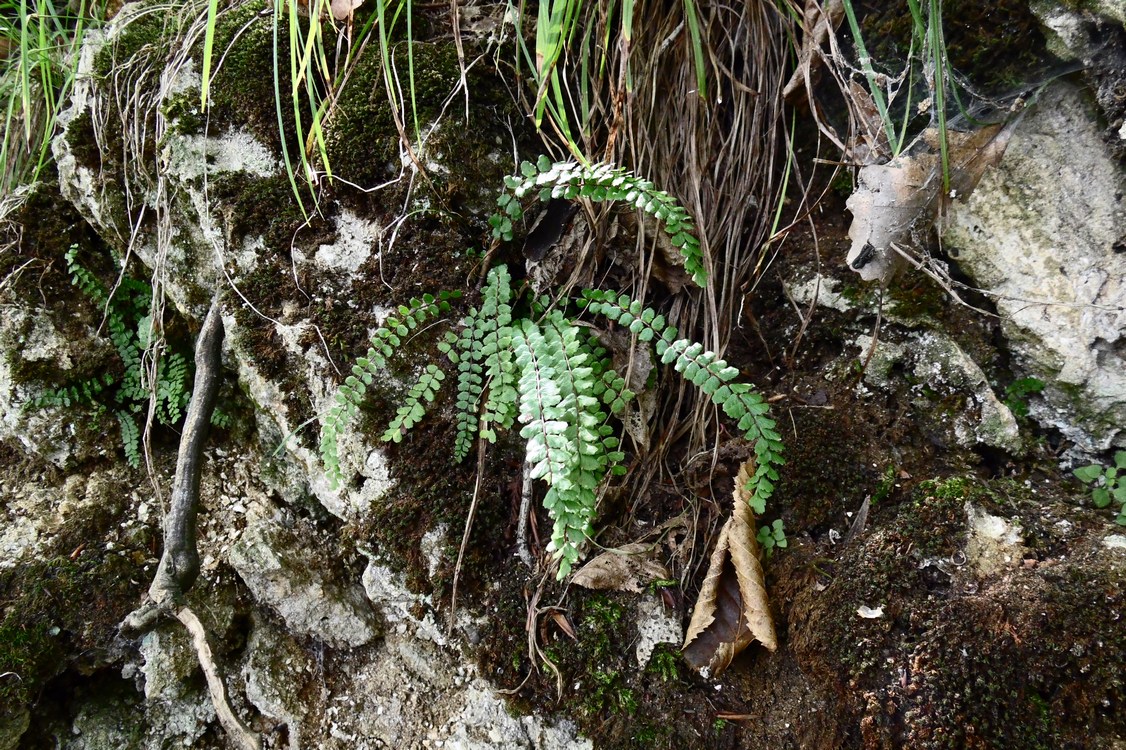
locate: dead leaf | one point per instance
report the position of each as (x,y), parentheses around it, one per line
(733,610)
(897,202)
(627,568)
(564,624)
(817,21)
(342,10)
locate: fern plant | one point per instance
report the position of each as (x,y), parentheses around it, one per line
(599,182)
(128,325)
(350,395)
(544,370)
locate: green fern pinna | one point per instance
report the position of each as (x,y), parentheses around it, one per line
(127,318)
(547,372)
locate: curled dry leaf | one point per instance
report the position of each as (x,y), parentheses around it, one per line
(896,202)
(630,567)
(343,9)
(733,609)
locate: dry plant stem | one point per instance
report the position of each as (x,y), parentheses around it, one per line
(465,535)
(179,564)
(522,519)
(243,738)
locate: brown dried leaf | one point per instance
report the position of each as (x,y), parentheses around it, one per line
(733,609)
(627,568)
(564,624)
(817,21)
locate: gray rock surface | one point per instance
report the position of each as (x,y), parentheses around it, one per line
(282,575)
(28,337)
(1043,234)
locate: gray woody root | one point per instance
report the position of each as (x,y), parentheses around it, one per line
(179,565)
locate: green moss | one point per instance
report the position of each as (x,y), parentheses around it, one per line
(144,39)
(42,630)
(242,92)
(1013,680)
(264,206)
(182,111)
(361,138)
(917,297)
(814,489)
(934,519)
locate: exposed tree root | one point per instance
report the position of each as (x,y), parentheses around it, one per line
(236,730)
(179,565)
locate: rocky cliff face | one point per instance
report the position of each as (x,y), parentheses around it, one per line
(977,600)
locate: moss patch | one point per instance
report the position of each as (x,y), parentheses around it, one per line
(62,609)
(1021,638)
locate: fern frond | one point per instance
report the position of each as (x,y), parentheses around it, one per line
(500,370)
(386,339)
(220,419)
(172,393)
(569,444)
(599,182)
(482,353)
(130,437)
(86,282)
(413,408)
(711,375)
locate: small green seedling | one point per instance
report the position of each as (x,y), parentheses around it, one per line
(1107,484)
(772,536)
(1017,393)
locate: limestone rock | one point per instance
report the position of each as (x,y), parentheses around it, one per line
(28,337)
(281,575)
(937,361)
(274,670)
(1043,235)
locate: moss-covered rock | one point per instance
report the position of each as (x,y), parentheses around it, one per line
(939,652)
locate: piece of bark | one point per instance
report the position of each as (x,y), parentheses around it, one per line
(733,609)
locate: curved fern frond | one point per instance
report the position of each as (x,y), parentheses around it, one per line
(599,182)
(386,339)
(413,408)
(710,374)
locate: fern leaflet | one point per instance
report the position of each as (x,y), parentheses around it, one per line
(599,182)
(710,374)
(350,394)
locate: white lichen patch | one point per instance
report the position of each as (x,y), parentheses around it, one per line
(355,238)
(655,624)
(190,157)
(1115,542)
(994,543)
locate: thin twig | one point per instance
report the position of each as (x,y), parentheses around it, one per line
(465,535)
